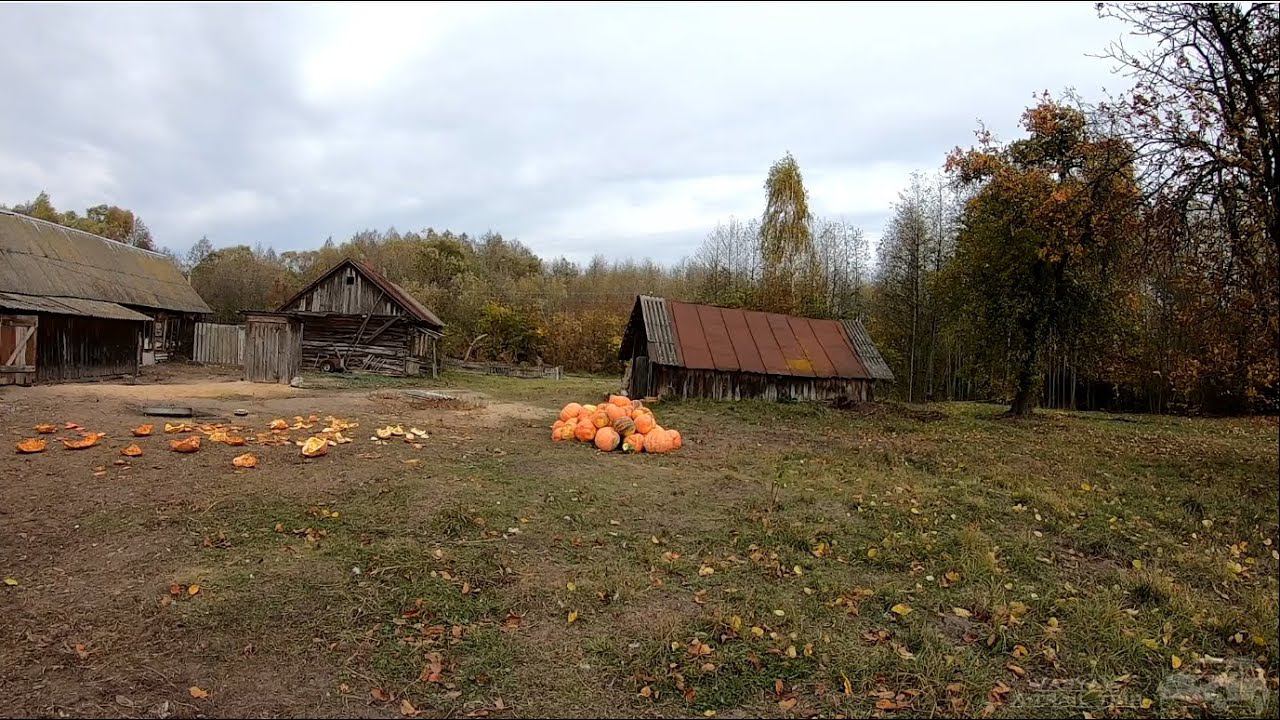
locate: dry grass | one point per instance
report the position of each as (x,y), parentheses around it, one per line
(1049,567)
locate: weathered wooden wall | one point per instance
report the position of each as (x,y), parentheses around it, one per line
(17,349)
(70,347)
(219,344)
(272,349)
(346,292)
(647,379)
(173,334)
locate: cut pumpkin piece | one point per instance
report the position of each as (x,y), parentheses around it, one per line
(31,445)
(143,430)
(180,427)
(278,424)
(131,451)
(247,460)
(46,428)
(315,447)
(186,445)
(234,440)
(86,441)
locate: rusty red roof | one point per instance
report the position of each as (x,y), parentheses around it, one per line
(734,340)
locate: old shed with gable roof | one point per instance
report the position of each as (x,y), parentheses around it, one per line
(351,318)
(677,349)
(74,305)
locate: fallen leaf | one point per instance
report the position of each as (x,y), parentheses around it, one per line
(1176,662)
(193,590)
(407,709)
(11,582)
(961,612)
(901,609)
(573,616)
(197,692)
(377,693)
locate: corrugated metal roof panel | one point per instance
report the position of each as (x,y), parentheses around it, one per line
(723,355)
(705,337)
(842,354)
(660,331)
(690,336)
(792,354)
(39,258)
(744,345)
(808,339)
(68,306)
(876,366)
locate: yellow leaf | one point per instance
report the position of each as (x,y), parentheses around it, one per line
(570,586)
(1176,662)
(706,570)
(961,612)
(573,616)
(848,686)
(193,589)
(1146,703)
(197,692)
(407,709)
(901,609)
(872,553)
(11,582)
(1137,564)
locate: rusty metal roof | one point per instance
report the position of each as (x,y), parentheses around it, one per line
(39,258)
(407,302)
(706,337)
(68,306)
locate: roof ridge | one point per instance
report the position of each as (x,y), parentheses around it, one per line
(95,236)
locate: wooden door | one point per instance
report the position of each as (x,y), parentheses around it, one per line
(272,349)
(17,349)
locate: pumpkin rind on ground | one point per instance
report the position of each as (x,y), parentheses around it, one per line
(31,445)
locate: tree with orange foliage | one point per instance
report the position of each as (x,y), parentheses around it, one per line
(1039,250)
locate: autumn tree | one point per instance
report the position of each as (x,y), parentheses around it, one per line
(109,221)
(1204,119)
(1051,216)
(786,242)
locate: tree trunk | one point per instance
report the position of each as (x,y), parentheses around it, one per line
(1024,395)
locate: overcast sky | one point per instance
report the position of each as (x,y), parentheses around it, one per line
(624,130)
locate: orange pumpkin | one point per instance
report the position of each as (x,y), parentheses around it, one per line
(85,441)
(676,440)
(644,422)
(584,431)
(131,451)
(566,431)
(634,443)
(606,439)
(315,447)
(143,430)
(556,425)
(570,411)
(247,460)
(614,412)
(621,401)
(600,419)
(31,445)
(188,444)
(46,428)
(658,441)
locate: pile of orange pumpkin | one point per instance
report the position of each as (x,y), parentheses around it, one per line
(617,424)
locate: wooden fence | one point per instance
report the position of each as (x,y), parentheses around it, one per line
(218,344)
(548,372)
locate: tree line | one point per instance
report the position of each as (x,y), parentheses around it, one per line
(1119,254)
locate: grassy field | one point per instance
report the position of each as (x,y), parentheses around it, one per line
(791,560)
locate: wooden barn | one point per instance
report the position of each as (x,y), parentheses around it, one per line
(351,318)
(677,349)
(76,306)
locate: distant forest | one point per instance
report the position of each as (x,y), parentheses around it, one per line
(1119,254)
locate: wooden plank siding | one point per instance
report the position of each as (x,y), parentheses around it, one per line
(17,349)
(219,344)
(272,349)
(71,347)
(650,379)
(346,292)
